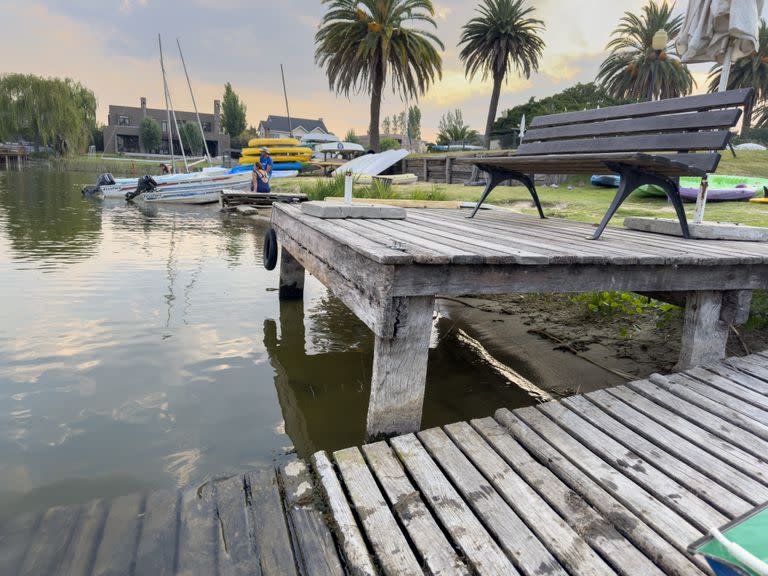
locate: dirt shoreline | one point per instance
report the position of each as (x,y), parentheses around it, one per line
(557,343)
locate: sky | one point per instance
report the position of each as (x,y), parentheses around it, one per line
(111,47)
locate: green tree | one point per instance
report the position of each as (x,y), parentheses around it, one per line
(364,43)
(386,125)
(389,144)
(503,36)
(193,140)
(352,137)
(626,72)
(452,130)
(232,112)
(414,123)
(151,134)
(49,111)
(748,72)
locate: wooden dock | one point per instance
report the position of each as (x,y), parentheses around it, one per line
(235,198)
(12,156)
(388,273)
(618,481)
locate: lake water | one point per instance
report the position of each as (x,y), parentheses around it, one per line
(146,347)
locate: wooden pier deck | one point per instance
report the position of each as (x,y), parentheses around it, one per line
(618,481)
(388,272)
(12,156)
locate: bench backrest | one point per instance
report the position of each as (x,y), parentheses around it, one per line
(691,123)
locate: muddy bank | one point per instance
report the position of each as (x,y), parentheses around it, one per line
(563,348)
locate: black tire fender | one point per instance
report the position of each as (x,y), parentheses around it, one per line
(270,249)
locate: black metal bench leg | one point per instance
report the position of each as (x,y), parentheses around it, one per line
(494,179)
(626,186)
(673,193)
(532,189)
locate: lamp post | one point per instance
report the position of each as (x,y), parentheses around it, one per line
(658,43)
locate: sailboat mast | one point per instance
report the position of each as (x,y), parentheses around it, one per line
(167,109)
(191,93)
(287,110)
(173,111)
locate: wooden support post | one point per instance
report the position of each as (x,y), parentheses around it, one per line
(449,170)
(709,316)
(426,170)
(400,369)
(291,277)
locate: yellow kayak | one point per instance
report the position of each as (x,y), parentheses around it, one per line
(275,159)
(280,151)
(259,142)
(760,200)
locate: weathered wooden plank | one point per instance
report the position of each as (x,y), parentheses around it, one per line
(730,386)
(116,555)
(420,254)
(158,544)
(631,494)
(625,554)
(313,543)
(736,375)
(730,491)
(291,277)
(655,124)
(514,537)
(436,552)
(697,103)
(236,552)
(392,550)
(747,409)
(482,554)
(199,532)
(751,366)
(400,369)
(698,429)
(16,536)
(358,560)
(81,554)
(566,545)
(663,487)
(680,388)
(273,544)
(51,540)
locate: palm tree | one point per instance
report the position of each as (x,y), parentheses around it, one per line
(502,36)
(626,73)
(748,72)
(363,43)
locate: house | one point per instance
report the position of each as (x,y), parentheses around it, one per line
(121,134)
(279,127)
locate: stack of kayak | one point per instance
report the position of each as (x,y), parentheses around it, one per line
(287,156)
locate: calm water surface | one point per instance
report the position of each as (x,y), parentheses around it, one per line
(146,347)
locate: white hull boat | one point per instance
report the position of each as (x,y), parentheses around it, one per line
(199,192)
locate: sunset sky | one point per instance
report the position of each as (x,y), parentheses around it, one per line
(111,47)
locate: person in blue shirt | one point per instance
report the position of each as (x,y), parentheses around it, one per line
(266,162)
(259,179)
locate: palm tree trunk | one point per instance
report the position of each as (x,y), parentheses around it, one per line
(492,109)
(746,124)
(373,130)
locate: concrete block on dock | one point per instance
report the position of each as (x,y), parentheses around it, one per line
(703,231)
(329,210)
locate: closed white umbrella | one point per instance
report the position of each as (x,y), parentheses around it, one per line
(718,31)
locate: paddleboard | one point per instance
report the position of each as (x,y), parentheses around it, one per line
(397,179)
(258,142)
(287,166)
(759,200)
(276,159)
(279,150)
(373,164)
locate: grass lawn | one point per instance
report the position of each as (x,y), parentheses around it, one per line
(584,202)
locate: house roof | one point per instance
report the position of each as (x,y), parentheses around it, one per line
(280,124)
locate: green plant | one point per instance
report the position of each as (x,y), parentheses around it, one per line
(323,188)
(435,193)
(151,134)
(362,44)
(389,144)
(625,308)
(501,37)
(626,72)
(352,137)
(377,189)
(452,130)
(758,315)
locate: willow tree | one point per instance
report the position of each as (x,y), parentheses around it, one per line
(48,111)
(626,72)
(362,44)
(502,36)
(750,71)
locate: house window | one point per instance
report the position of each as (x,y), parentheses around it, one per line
(206,126)
(123,120)
(165,127)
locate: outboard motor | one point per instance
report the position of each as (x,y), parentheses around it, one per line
(105,179)
(146,184)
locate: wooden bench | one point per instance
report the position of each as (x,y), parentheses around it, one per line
(645,143)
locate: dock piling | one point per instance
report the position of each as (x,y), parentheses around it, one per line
(291,277)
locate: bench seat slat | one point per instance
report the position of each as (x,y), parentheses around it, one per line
(699,103)
(716,140)
(665,164)
(665,123)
